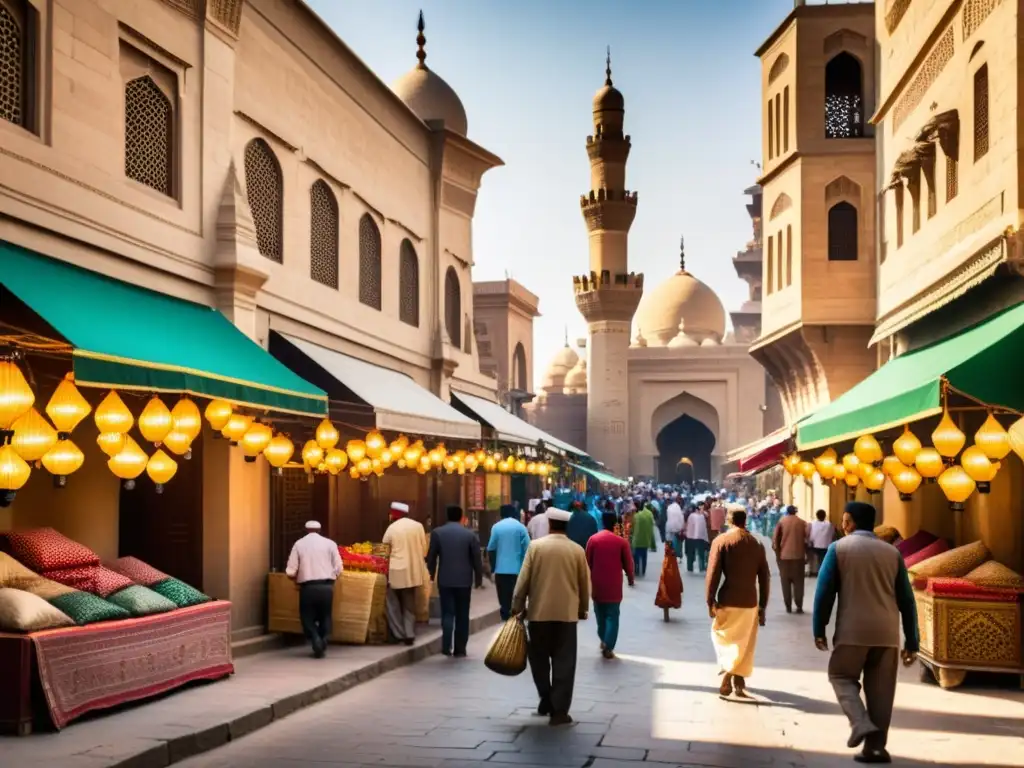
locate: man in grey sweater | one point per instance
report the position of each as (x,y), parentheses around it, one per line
(871,582)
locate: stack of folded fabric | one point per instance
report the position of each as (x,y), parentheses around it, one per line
(965,589)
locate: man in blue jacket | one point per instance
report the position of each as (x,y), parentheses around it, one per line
(506,549)
(870,580)
(454,557)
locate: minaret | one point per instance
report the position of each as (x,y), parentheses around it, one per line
(608,296)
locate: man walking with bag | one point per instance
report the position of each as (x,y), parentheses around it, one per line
(454,556)
(554,590)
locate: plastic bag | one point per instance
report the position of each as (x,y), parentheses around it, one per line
(507,652)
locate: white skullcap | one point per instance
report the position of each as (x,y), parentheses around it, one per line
(546,495)
(558,514)
(312,525)
(398,506)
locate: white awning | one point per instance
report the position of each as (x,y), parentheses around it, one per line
(400,404)
(511,428)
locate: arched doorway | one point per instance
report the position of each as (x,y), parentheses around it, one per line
(686,437)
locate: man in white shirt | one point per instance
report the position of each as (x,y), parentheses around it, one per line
(315,564)
(407,571)
(674,523)
(539,527)
(697,539)
(819,537)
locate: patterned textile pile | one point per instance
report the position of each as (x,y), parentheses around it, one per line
(916,543)
(966,572)
(955,563)
(967,590)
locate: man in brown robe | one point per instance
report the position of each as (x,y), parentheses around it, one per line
(790,544)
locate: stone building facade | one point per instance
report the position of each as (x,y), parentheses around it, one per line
(239,155)
(504,311)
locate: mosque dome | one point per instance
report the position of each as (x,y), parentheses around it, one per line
(576,379)
(427,94)
(609,98)
(681,304)
(559,367)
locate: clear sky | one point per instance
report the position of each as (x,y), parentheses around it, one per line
(526,72)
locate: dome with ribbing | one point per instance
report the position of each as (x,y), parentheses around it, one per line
(431,98)
(609,99)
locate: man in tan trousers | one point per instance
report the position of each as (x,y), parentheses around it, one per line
(790,545)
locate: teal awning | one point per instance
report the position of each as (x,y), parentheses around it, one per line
(597,474)
(984,362)
(132,338)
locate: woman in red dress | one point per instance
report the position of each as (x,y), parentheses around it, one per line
(670,587)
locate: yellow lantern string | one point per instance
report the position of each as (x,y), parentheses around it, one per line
(838,472)
(471,463)
(891,464)
(519,467)
(863,470)
(1016,435)
(957,485)
(356,450)
(806,470)
(218,413)
(929,463)
(33,436)
(353,472)
(437,456)
(16,396)
(67,408)
(365,466)
(375,444)
(279,452)
(875,481)
(65,458)
(947,437)
(111,443)
(336,460)
(992,439)
(852,480)
(387,458)
(449,464)
(906,447)
(238,424)
(14,473)
(327,435)
(255,441)
(425,464)
(490,465)
(161,468)
(867,449)
(155,421)
(178,443)
(906,480)
(129,463)
(186,419)
(112,415)
(826,464)
(312,454)
(850,462)
(481,456)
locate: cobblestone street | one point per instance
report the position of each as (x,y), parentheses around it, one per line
(657,703)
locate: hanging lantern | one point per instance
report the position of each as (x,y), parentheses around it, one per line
(481,456)
(947,437)
(826,464)
(16,396)
(67,407)
(531,468)
(336,460)
(906,447)
(1016,433)
(178,443)
(111,443)
(14,473)
(863,470)
(65,458)
(356,450)
(850,462)
(838,472)
(471,463)
(112,415)
(852,480)
(186,419)
(891,464)
(255,441)
(387,458)
(218,412)
(375,444)
(129,463)
(519,467)
(505,466)
(992,439)
(957,485)
(806,470)
(929,464)
(490,465)
(399,445)
(155,421)
(33,436)
(790,463)
(437,455)
(867,449)
(161,468)
(875,481)
(365,466)
(279,452)
(543,469)
(906,480)
(980,468)
(449,464)
(326,435)
(238,424)
(353,472)
(425,464)
(313,454)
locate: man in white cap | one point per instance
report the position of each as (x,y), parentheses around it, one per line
(407,571)
(315,565)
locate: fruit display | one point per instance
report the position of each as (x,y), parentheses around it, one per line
(362,557)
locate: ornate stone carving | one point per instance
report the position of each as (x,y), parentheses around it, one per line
(937,60)
(894,11)
(608,210)
(608,302)
(226,13)
(974,13)
(191,8)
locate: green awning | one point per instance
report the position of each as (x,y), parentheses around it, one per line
(597,474)
(984,363)
(131,338)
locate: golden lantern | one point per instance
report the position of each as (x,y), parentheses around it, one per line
(111,443)
(850,462)
(981,469)
(365,466)
(375,444)
(67,407)
(112,415)
(947,437)
(806,470)
(255,441)
(543,468)
(129,463)
(826,464)
(33,436)
(891,464)
(424,464)
(531,468)
(387,458)
(16,396)
(929,464)
(178,443)
(867,449)
(838,472)
(326,435)
(471,463)
(218,412)
(336,460)
(957,485)
(186,419)
(356,450)
(490,465)
(353,472)
(992,439)
(378,468)
(437,455)
(238,424)
(790,462)
(155,421)
(906,447)
(852,480)
(65,458)
(14,473)
(449,464)
(279,452)
(519,466)
(313,454)
(875,481)
(1016,434)
(481,456)
(906,480)
(503,466)
(862,470)
(161,468)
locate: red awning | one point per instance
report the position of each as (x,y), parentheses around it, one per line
(764,453)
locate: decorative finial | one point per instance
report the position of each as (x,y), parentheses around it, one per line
(421,41)
(567,337)
(608,68)
(682,254)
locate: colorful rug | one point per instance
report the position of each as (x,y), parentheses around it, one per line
(103,665)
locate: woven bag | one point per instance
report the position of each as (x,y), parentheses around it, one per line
(507,652)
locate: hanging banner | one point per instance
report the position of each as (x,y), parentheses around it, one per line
(476,492)
(493,492)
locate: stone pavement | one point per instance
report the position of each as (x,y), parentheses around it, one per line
(657,704)
(265,687)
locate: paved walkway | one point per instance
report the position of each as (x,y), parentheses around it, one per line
(658,703)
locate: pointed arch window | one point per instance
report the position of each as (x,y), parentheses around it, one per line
(453,307)
(844,98)
(409,285)
(981,113)
(265,193)
(842,232)
(323,234)
(369,262)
